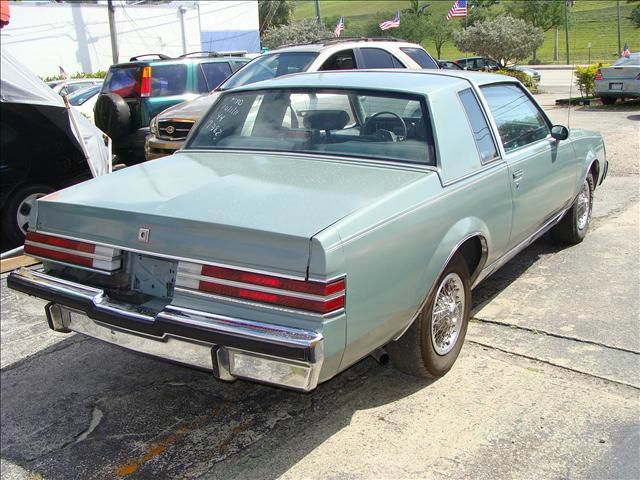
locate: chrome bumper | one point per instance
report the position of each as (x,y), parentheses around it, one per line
(155,147)
(230,347)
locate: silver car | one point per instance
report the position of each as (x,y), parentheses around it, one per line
(621,80)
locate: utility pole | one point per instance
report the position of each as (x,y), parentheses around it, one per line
(555,45)
(566,27)
(181,11)
(112,31)
(317,4)
(619,39)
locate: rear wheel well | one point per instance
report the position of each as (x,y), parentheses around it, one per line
(595,171)
(474,253)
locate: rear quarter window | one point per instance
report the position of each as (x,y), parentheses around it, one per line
(210,75)
(168,80)
(420,56)
(479,126)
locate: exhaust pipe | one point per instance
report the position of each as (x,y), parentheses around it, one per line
(381,356)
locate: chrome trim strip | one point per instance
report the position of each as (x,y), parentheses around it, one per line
(485,252)
(249,303)
(259,288)
(176,258)
(498,263)
(485,167)
(78,253)
(79,267)
(331,158)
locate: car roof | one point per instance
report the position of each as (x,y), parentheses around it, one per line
(178,60)
(423,82)
(339,44)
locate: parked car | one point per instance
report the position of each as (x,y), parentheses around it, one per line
(170,129)
(136,91)
(85,99)
(621,80)
(311,220)
(449,65)
(486,63)
(67,87)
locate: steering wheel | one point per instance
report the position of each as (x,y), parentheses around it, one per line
(378,114)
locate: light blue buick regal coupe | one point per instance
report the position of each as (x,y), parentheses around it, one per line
(312,220)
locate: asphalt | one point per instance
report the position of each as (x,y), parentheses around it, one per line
(547,385)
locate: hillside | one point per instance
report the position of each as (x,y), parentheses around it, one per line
(590,21)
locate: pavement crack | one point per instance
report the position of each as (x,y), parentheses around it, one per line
(48,351)
(547,362)
(96,418)
(555,335)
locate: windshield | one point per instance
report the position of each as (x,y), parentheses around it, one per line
(270,66)
(81,96)
(329,122)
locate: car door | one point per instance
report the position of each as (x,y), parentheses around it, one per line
(541,169)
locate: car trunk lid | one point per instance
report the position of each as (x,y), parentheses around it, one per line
(255,211)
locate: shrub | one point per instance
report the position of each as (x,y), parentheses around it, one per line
(73,76)
(307,30)
(585,79)
(524,78)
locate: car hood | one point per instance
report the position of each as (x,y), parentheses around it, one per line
(190,110)
(221,206)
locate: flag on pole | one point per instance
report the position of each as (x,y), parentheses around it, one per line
(63,74)
(339,27)
(387,24)
(625,51)
(459,9)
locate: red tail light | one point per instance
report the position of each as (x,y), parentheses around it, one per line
(318,297)
(598,75)
(56,249)
(145,85)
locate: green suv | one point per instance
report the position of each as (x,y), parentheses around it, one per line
(135,92)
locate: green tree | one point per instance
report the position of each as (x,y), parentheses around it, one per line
(413,28)
(273,13)
(440,31)
(504,39)
(544,14)
(308,30)
(635,13)
(416,7)
(479,11)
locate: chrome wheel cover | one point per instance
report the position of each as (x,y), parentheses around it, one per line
(448,313)
(583,206)
(24,209)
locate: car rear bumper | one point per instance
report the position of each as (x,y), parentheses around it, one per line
(230,347)
(618,88)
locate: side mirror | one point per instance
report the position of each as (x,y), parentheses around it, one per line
(559,132)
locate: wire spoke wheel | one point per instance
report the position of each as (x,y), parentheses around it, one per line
(448,312)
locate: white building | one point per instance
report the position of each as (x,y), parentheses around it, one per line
(45,36)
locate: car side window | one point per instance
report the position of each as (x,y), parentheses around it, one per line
(518,119)
(342,60)
(479,126)
(378,58)
(210,75)
(167,80)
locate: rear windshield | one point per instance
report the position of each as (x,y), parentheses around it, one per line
(419,56)
(81,96)
(633,60)
(270,66)
(124,81)
(348,123)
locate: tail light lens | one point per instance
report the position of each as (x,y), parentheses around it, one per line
(317,297)
(145,85)
(598,75)
(83,254)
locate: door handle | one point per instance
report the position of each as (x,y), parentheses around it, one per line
(517,175)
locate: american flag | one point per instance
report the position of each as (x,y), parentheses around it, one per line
(459,9)
(395,23)
(625,51)
(339,27)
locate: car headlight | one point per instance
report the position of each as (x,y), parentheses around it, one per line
(153,126)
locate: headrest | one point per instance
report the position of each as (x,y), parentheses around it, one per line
(326,119)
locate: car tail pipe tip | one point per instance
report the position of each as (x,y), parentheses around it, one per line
(381,356)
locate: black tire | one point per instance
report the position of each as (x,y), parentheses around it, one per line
(573,227)
(608,100)
(12,232)
(112,115)
(415,353)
